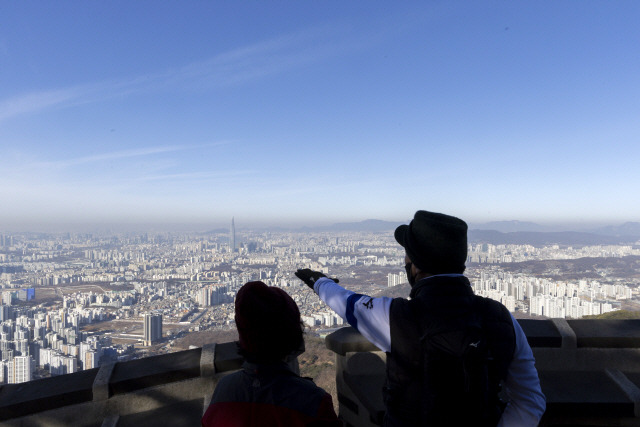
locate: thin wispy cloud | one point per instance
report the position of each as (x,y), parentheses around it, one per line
(36,101)
(196,175)
(247,63)
(123,154)
(265,58)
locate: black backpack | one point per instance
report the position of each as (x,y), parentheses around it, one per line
(461,383)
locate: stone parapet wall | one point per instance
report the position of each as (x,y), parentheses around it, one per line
(589,371)
(171,389)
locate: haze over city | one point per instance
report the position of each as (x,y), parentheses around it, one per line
(303,113)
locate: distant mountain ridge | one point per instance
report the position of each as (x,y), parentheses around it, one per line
(367,225)
(629,229)
(509,226)
(375,225)
(626,229)
(496,232)
(513,232)
(571,238)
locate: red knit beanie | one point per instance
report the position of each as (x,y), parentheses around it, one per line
(268,322)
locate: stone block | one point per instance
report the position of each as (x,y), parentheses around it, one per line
(227,357)
(100,387)
(186,413)
(18,400)
(346,340)
(541,333)
(584,394)
(207,360)
(607,333)
(155,370)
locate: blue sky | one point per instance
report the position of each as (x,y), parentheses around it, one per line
(315,112)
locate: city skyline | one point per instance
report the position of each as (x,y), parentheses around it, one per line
(76,302)
(301,114)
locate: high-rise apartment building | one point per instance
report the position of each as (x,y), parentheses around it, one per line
(5,241)
(90,360)
(213,295)
(205,296)
(3,371)
(5,313)
(7,298)
(152,328)
(396,279)
(20,369)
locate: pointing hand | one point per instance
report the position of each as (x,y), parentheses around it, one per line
(309,277)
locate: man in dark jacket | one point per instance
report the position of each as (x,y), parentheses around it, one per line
(267,392)
(449,352)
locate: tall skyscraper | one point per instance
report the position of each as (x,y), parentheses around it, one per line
(152,328)
(232,236)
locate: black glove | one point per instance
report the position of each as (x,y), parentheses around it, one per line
(309,277)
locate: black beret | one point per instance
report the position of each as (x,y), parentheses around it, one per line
(436,243)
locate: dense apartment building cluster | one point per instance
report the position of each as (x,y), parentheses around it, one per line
(544,297)
(170,282)
(51,340)
(487,253)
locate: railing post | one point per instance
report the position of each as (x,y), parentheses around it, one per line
(207,372)
(569,339)
(208,360)
(630,389)
(100,387)
(111,421)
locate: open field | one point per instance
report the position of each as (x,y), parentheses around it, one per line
(47,293)
(57,292)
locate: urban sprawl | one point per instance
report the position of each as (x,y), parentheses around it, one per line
(74,301)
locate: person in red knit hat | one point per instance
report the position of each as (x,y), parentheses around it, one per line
(266,391)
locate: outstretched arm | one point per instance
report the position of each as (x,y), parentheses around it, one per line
(370,316)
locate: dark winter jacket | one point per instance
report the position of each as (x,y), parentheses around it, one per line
(422,385)
(269,395)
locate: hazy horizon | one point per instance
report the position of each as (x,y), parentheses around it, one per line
(241,225)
